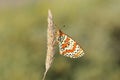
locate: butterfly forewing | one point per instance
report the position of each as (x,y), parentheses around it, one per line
(68,47)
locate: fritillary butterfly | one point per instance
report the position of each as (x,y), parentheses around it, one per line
(67,46)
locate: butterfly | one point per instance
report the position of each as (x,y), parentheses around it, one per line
(67,46)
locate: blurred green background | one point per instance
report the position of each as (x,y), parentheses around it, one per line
(94,24)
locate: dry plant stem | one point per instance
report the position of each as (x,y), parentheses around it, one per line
(50,43)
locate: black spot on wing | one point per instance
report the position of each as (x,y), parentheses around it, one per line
(61,38)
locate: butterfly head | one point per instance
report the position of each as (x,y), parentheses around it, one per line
(58,34)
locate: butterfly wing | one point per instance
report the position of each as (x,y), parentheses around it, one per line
(68,47)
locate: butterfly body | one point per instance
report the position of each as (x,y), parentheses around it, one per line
(67,46)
